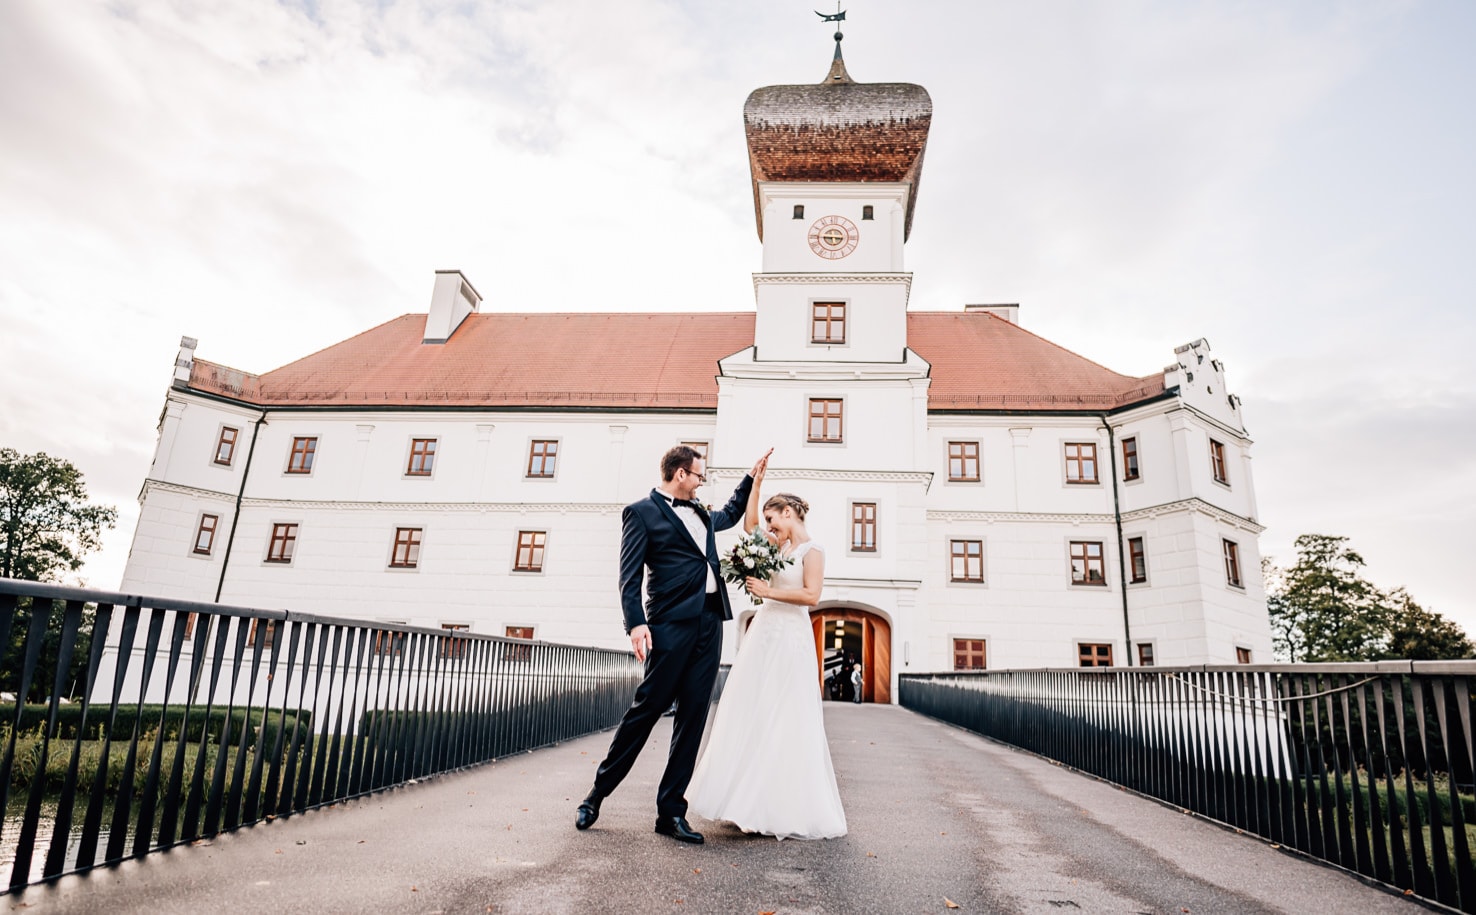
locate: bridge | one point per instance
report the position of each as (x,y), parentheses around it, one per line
(266,760)
(937,815)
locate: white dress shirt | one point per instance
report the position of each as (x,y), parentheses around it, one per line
(697,528)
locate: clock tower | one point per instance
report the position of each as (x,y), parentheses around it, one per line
(836,167)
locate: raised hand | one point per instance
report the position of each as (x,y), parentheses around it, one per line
(760,466)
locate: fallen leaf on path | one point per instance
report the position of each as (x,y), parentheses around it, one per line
(414,889)
(278,851)
(871,854)
(696,870)
(361,841)
(302,841)
(767,912)
(949,903)
(1274,845)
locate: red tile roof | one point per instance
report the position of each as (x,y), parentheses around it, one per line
(654,360)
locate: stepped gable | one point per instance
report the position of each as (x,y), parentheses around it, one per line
(652,360)
(838,130)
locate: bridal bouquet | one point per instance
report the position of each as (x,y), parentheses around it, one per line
(753,556)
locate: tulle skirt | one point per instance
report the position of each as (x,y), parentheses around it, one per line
(766,768)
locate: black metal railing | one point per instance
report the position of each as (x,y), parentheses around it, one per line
(1367,766)
(131,724)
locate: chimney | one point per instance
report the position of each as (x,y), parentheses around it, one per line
(184,363)
(1010,313)
(452,299)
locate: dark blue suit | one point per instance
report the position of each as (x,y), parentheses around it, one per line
(686,636)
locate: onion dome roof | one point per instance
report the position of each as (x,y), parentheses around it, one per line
(838,130)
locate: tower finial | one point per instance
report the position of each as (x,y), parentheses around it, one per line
(837,72)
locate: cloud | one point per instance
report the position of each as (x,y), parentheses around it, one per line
(1395,474)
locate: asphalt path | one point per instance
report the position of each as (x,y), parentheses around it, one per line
(940,821)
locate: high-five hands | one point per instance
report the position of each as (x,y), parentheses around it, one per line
(760,466)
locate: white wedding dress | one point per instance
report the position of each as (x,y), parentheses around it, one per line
(767,765)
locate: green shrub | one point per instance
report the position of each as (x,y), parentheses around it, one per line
(69,720)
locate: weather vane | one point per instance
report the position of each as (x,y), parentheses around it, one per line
(837,17)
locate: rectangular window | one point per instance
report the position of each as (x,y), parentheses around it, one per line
(225,449)
(863,527)
(271,634)
(1087,567)
(284,542)
(1130,458)
(1091,654)
(825,420)
(1145,654)
(1217,462)
(422,457)
(389,642)
(1242,655)
(518,652)
(1081,462)
(303,450)
(542,457)
(205,536)
(530,551)
(968,654)
(699,447)
(966,560)
(963,462)
(407,548)
(453,647)
(828,322)
(1232,563)
(1137,560)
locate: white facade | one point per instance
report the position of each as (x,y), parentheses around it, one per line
(1023,510)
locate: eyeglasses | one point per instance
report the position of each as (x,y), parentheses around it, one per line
(701,477)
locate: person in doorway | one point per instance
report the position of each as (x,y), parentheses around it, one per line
(856,684)
(666,542)
(767,765)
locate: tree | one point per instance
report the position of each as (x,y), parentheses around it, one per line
(1322,609)
(1423,635)
(46,523)
(46,527)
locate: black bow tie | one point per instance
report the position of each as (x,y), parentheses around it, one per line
(690,503)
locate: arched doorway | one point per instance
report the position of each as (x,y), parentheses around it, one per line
(845,636)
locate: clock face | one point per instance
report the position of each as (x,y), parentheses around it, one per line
(833,237)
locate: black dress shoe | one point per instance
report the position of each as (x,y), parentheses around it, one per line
(677,828)
(589,811)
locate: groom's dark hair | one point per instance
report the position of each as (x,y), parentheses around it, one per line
(678,458)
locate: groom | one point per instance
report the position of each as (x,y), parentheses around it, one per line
(678,634)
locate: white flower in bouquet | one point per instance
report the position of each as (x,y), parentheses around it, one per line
(753,556)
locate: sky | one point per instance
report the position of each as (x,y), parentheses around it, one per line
(1292,182)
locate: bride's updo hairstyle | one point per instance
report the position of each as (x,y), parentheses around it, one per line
(783,500)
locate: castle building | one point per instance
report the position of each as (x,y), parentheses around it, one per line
(985,497)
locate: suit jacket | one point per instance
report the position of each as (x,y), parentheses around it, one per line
(653,538)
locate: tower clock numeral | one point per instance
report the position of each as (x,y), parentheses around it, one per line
(833,237)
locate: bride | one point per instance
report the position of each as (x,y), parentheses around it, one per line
(767,765)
